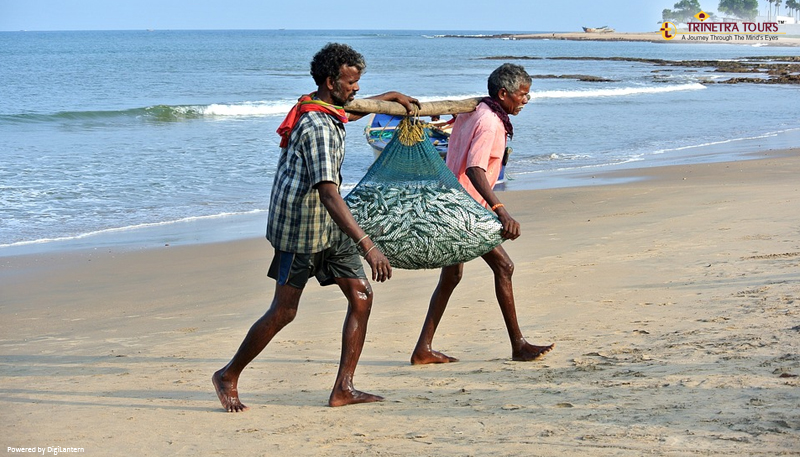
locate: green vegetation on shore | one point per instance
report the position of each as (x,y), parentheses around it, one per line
(685,10)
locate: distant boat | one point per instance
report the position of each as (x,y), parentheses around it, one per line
(380,130)
(603,29)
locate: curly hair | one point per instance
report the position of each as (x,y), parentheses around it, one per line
(328,61)
(508,76)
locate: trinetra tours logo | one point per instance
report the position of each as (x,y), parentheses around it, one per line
(668,30)
(721,31)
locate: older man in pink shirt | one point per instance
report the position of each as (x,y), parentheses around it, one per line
(475,155)
(478,140)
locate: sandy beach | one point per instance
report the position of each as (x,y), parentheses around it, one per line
(654,37)
(672,300)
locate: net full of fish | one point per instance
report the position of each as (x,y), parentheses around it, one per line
(424,226)
(417,213)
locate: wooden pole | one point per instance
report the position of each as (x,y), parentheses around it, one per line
(365,106)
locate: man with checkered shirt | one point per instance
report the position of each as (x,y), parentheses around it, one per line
(311,227)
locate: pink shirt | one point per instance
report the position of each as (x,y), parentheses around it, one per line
(478,140)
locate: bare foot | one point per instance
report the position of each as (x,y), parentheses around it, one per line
(425,357)
(228,394)
(351,397)
(529,352)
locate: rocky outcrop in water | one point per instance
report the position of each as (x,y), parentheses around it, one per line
(770,69)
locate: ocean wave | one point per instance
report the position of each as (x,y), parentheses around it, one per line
(726,141)
(248,109)
(171,113)
(129,228)
(639,155)
(164,113)
(610,162)
(616,92)
(24,118)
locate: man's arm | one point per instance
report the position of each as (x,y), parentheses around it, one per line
(477,176)
(340,213)
(411,104)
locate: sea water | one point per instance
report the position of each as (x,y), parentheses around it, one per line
(107,135)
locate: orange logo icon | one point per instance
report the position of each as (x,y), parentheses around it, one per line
(701,16)
(668,30)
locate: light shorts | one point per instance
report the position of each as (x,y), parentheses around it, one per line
(341,260)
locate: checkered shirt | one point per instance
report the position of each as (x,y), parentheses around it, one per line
(298,221)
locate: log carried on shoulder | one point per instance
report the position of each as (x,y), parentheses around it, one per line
(365,106)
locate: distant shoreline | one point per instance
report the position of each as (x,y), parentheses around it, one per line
(652,37)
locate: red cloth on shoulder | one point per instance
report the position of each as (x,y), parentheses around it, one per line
(304,105)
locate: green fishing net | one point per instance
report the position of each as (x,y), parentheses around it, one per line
(413,207)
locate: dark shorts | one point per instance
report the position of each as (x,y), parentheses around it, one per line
(341,260)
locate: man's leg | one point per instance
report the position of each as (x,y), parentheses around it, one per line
(281,312)
(354,332)
(503,269)
(423,353)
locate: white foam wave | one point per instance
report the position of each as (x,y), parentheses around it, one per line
(269,108)
(616,92)
(620,161)
(275,108)
(731,140)
(281,107)
(129,228)
(438,98)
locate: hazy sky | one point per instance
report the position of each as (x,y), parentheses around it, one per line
(490,15)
